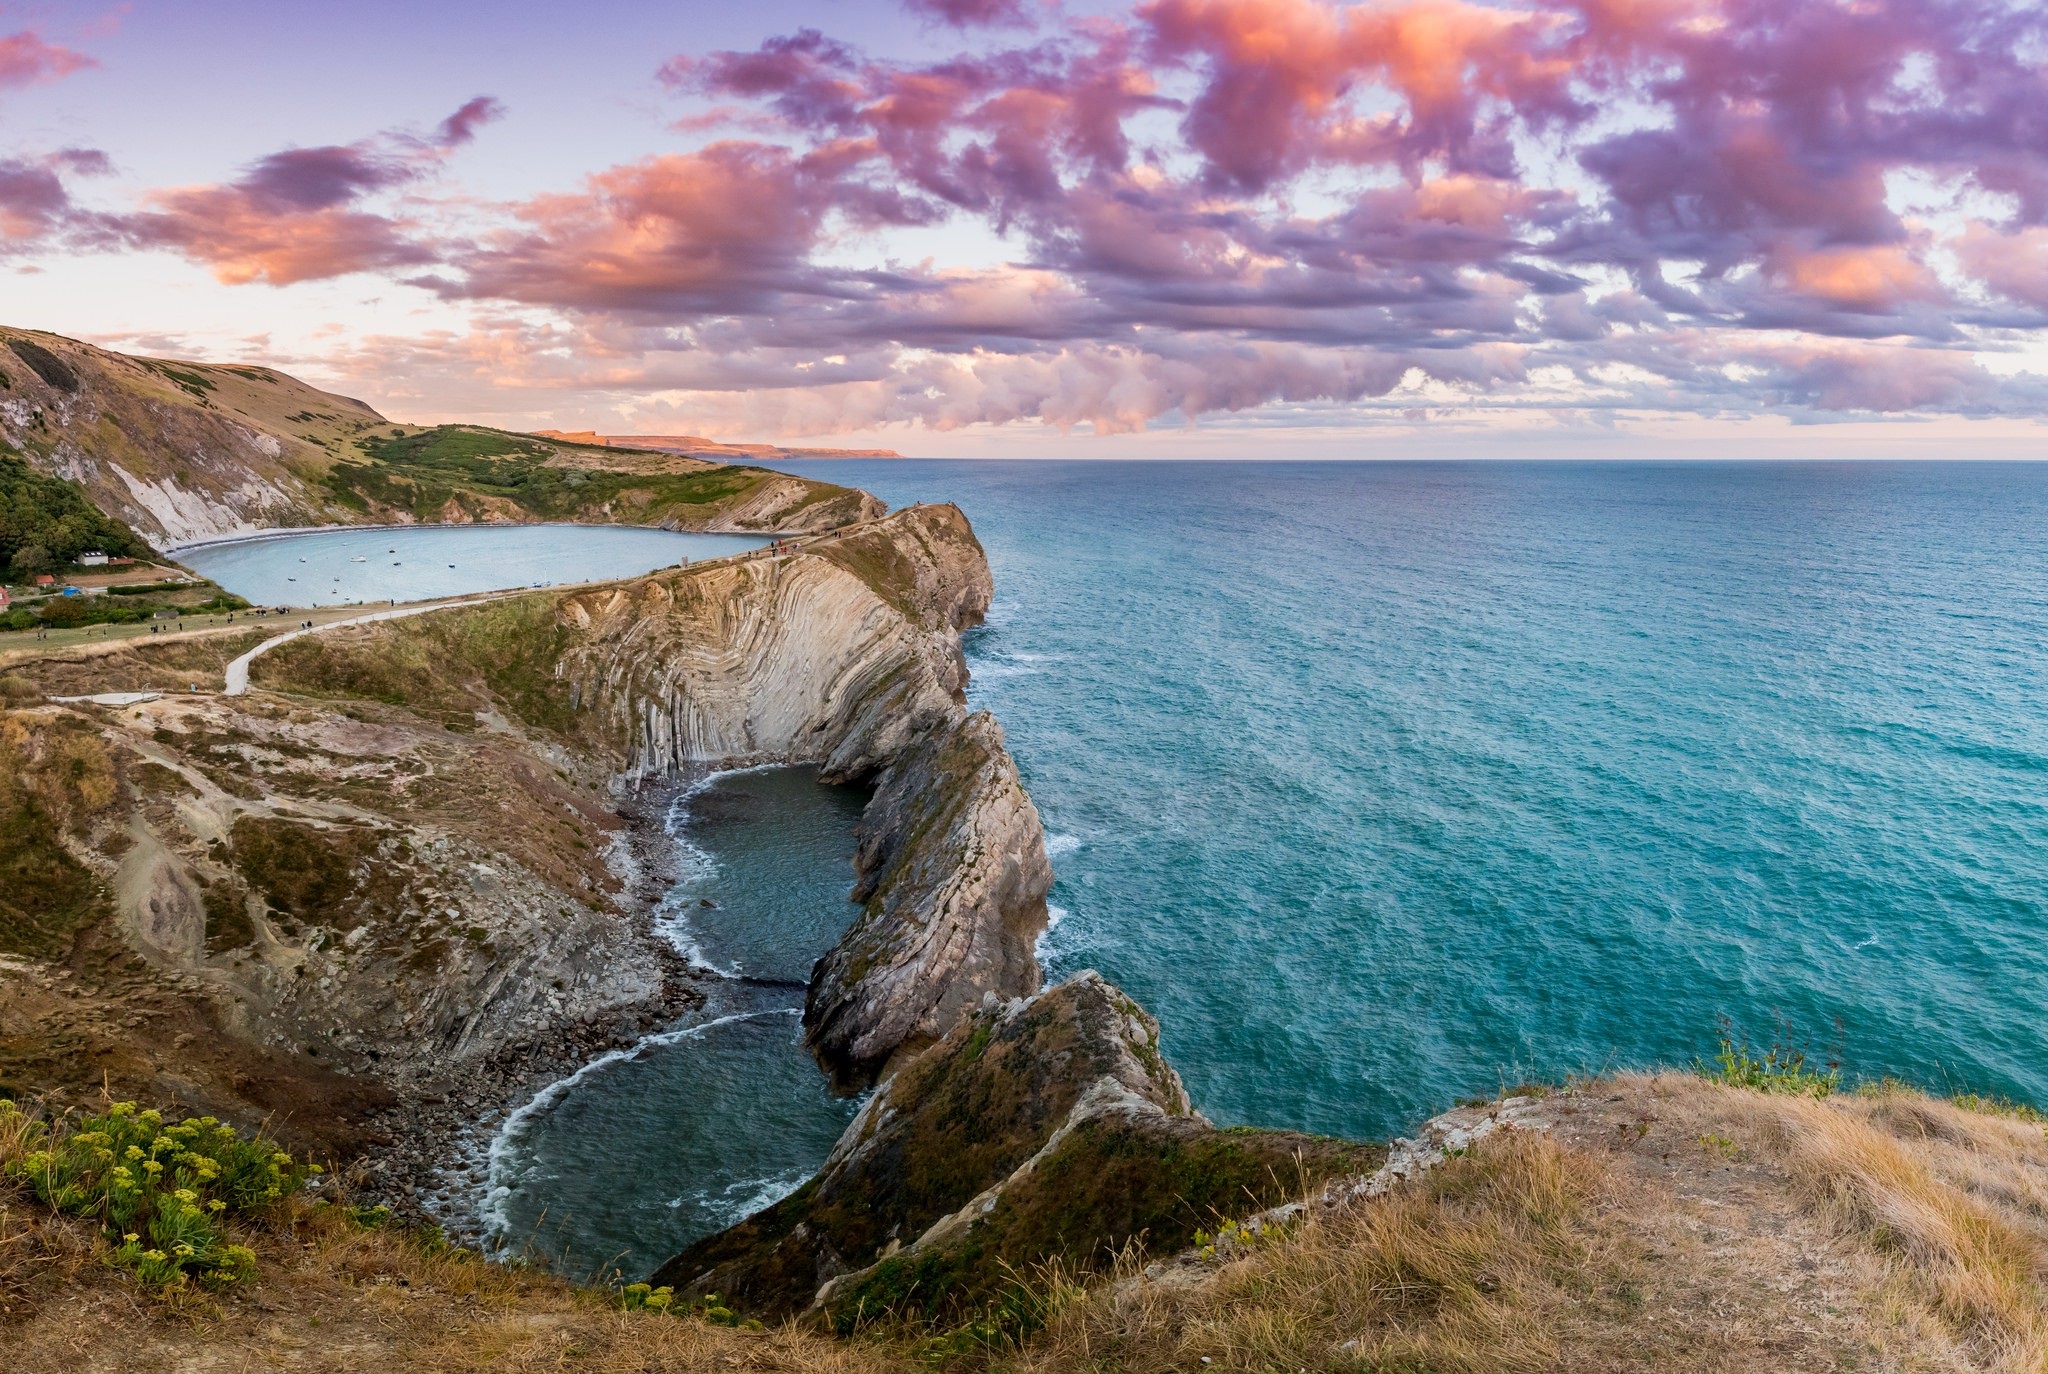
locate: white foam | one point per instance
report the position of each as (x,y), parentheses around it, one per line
(672,915)
(741,1198)
(1042,949)
(502,1158)
(1056,845)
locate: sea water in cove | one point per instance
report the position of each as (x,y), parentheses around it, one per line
(642,1152)
(1384,784)
(343,567)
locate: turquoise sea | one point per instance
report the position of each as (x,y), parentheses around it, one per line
(1383,784)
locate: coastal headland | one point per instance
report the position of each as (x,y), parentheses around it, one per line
(407,877)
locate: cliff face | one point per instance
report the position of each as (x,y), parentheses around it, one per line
(180,451)
(953,877)
(846,654)
(356,888)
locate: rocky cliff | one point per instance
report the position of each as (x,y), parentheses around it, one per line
(290,905)
(1048,1128)
(846,654)
(408,849)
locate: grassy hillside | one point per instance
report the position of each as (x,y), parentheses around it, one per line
(469,472)
(185,451)
(1670,1224)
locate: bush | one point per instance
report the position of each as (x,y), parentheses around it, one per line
(162,1193)
(1783,1068)
(639,1297)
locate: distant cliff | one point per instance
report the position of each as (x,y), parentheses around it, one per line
(693,446)
(186,451)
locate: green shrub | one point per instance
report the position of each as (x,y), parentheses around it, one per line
(639,1297)
(162,1193)
(1783,1068)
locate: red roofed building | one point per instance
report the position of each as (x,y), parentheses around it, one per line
(45,580)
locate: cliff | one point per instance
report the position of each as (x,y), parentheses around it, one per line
(295,908)
(1042,1129)
(407,852)
(845,654)
(188,451)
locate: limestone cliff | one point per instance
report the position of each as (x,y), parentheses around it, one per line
(1047,1128)
(342,886)
(846,654)
(181,451)
(953,877)
(403,852)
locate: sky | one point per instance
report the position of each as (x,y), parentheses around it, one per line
(1244,228)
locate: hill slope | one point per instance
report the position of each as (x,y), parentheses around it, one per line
(180,451)
(187,451)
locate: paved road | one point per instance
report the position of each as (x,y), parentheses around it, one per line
(238,671)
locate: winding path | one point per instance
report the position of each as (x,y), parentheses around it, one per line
(238,671)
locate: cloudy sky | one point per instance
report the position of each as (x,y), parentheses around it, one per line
(1212,227)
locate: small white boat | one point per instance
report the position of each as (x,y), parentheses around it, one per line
(359,559)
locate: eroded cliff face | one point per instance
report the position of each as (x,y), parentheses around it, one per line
(180,451)
(362,889)
(953,877)
(846,654)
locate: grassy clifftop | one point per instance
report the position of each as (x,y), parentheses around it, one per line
(468,472)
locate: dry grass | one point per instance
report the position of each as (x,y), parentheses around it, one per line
(1662,1224)
(1958,1198)
(1457,1274)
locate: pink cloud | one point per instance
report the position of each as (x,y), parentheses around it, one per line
(296,215)
(2014,265)
(1212,205)
(27,60)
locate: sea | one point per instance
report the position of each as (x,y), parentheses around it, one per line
(1383,785)
(364,566)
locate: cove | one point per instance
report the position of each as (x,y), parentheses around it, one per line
(421,563)
(643,1151)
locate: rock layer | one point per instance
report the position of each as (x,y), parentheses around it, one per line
(846,654)
(953,877)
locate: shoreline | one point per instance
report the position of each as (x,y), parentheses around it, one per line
(265,536)
(431,1165)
